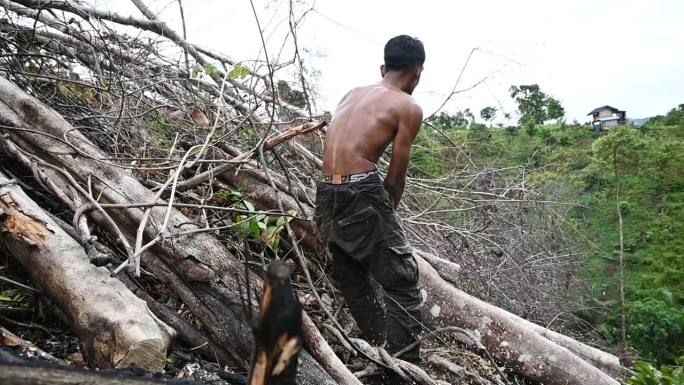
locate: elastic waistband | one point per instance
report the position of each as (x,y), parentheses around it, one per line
(349,178)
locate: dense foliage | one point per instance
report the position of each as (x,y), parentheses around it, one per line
(647,165)
(647,374)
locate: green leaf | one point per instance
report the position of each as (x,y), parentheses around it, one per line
(249,206)
(271,230)
(211,70)
(271,236)
(238,71)
(254,227)
(236,195)
(6,298)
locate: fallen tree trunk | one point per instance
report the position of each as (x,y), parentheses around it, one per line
(204,271)
(607,362)
(515,344)
(91,299)
(449,271)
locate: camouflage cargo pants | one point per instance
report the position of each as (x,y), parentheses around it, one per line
(367,242)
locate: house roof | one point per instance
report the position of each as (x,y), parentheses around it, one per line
(596,110)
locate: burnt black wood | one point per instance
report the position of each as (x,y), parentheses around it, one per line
(280,319)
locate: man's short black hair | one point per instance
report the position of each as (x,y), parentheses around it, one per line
(403,52)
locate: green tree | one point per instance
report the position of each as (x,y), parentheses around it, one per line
(620,150)
(487,114)
(534,105)
(655,324)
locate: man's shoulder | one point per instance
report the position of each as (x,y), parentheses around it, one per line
(403,100)
(408,105)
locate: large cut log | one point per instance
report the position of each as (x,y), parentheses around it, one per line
(115,328)
(187,332)
(607,362)
(199,260)
(515,344)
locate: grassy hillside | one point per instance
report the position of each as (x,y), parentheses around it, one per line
(579,167)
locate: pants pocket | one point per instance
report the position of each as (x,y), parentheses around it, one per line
(356,233)
(397,270)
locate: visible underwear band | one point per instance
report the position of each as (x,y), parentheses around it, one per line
(350,178)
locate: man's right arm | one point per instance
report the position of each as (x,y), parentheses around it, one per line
(409,125)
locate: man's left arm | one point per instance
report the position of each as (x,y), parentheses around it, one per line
(408,128)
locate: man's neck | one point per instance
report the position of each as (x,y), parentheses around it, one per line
(398,79)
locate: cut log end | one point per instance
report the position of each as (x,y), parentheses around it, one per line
(145,354)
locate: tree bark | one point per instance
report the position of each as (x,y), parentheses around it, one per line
(518,346)
(93,301)
(623,304)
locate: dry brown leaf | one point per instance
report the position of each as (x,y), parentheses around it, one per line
(199,118)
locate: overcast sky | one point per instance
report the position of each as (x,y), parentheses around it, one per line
(629,54)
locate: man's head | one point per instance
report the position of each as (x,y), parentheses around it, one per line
(404,54)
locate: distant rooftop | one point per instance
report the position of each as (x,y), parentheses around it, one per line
(596,110)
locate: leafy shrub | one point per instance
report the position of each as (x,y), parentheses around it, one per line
(647,374)
(656,328)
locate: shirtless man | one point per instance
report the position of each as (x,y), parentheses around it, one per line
(355,209)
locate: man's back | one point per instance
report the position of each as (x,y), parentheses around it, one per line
(365,123)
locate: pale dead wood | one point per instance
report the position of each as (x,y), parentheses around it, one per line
(90,298)
(517,345)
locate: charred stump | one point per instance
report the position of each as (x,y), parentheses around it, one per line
(277,332)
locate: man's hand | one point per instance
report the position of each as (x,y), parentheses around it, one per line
(410,120)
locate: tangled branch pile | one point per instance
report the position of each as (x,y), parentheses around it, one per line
(185,177)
